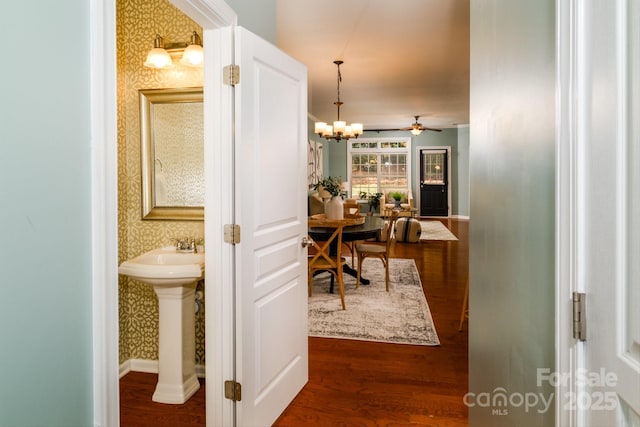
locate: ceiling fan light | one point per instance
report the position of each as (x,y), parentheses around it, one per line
(416,131)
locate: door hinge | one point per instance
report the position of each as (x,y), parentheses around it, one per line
(232,233)
(231,75)
(579,316)
(233,390)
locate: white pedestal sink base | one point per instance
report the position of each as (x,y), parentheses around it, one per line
(177,380)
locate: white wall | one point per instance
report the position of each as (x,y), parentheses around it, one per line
(45,202)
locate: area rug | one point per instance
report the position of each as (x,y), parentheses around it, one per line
(399,316)
(435,230)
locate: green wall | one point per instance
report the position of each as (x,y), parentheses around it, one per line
(462,177)
(259,17)
(457,139)
(512,174)
(45,215)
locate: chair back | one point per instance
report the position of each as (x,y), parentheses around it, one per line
(390,234)
(323,256)
(351,208)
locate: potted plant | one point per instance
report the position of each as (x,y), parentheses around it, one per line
(332,185)
(373,199)
(397,196)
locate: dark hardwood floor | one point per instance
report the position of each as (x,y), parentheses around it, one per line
(355,383)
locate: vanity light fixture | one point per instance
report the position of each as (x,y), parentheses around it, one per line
(193,55)
(339,130)
(159,57)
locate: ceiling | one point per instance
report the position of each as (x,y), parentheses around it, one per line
(402,58)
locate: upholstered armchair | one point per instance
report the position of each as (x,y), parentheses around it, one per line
(315,204)
(387,204)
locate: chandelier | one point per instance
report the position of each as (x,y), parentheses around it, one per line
(339,130)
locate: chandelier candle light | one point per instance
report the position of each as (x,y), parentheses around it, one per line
(339,130)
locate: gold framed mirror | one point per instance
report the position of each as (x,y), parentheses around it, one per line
(172,153)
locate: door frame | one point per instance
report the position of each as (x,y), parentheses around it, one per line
(212,15)
(571,116)
(417,166)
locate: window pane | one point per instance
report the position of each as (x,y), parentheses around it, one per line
(394,144)
(376,171)
(393,175)
(433,168)
(364,174)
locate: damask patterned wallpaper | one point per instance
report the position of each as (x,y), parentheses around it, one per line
(138,21)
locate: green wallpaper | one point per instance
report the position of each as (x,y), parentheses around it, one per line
(137,23)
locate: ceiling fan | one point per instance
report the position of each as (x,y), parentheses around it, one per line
(415,128)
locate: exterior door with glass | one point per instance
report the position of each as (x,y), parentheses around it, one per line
(434,182)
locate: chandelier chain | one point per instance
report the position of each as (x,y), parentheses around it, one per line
(338,103)
(340,130)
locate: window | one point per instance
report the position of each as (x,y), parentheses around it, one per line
(433,166)
(379,165)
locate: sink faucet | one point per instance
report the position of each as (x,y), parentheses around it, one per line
(186,245)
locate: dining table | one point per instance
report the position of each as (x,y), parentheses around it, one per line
(367,230)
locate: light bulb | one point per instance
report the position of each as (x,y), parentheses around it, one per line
(158,58)
(193,56)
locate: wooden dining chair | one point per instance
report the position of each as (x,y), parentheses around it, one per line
(351,208)
(464,313)
(323,259)
(377,250)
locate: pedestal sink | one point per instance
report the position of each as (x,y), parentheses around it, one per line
(174,276)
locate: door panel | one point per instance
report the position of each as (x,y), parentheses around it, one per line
(434,188)
(270,158)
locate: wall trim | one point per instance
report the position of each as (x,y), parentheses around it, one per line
(150,367)
(462,217)
(104,213)
(569,116)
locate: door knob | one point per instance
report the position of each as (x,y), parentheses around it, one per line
(307,241)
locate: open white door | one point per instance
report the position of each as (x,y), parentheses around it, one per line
(603,234)
(271,264)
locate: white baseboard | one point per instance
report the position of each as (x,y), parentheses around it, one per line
(461,217)
(149,367)
(466,217)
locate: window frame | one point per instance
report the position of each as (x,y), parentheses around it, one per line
(378,151)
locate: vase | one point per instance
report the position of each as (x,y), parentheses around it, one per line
(333,209)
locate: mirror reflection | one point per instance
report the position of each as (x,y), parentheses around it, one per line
(172,137)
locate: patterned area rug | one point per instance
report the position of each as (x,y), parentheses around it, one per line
(399,316)
(435,230)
